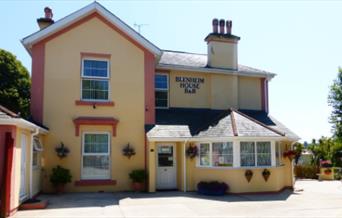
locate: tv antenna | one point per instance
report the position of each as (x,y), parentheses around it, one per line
(138,26)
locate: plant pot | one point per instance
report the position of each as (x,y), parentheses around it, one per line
(138,186)
(248,175)
(266,176)
(60,188)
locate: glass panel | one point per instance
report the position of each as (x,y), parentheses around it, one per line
(165,156)
(96,166)
(222,154)
(96,143)
(95,68)
(161,98)
(247,154)
(204,155)
(35,159)
(95,89)
(264,153)
(160,81)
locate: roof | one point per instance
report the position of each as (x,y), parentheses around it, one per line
(169,131)
(83,12)
(8,117)
(198,62)
(207,123)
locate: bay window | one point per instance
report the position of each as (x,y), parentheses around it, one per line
(217,154)
(95,156)
(161,84)
(255,154)
(95,80)
(204,154)
(247,154)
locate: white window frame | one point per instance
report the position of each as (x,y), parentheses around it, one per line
(256,153)
(37,151)
(92,154)
(211,154)
(98,78)
(161,89)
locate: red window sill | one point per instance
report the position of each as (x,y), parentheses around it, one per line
(92,103)
(95,182)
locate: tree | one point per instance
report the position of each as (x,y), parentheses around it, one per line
(335,101)
(326,149)
(15,84)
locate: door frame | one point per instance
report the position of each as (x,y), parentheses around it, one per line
(23,196)
(174,162)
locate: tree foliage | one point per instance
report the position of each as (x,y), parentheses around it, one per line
(335,101)
(326,149)
(14,84)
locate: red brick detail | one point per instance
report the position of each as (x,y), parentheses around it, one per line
(110,121)
(149,69)
(94,103)
(97,182)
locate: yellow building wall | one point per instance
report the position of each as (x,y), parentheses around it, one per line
(224,91)
(249,93)
(222,55)
(62,88)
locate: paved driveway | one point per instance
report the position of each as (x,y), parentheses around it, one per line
(318,199)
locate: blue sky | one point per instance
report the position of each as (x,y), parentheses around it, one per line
(298,40)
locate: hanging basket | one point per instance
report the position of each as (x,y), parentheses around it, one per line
(128,151)
(266,174)
(62,151)
(192,151)
(248,175)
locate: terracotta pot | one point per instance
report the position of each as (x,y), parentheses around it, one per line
(60,188)
(138,186)
(266,176)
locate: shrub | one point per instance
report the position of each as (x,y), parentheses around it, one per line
(60,176)
(212,188)
(138,176)
(309,172)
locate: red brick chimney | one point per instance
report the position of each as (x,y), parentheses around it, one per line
(47,19)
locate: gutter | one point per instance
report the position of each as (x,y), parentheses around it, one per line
(36,132)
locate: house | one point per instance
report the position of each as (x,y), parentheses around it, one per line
(98,85)
(21,146)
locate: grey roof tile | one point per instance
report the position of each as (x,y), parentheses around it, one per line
(169,131)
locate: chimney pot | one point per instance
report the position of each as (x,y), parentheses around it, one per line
(48,13)
(215,25)
(222,26)
(229,25)
(47,19)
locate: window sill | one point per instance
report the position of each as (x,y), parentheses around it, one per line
(238,168)
(96,182)
(92,103)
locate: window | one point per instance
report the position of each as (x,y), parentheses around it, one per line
(278,154)
(222,154)
(255,154)
(218,154)
(95,80)
(247,154)
(37,148)
(161,84)
(95,156)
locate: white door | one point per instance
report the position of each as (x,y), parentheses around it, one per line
(23,164)
(166,167)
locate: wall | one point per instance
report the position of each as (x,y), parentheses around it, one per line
(250,93)
(62,89)
(223,54)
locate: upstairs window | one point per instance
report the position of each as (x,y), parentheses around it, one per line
(95,80)
(161,84)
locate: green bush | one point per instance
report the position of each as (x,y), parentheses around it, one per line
(308,172)
(138,176)
(60,176)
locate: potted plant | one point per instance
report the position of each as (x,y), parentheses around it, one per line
(138,178)
(62,151)
(59,177)
(248,175)
(191,151)
(212,188)
(266,174)
(327,171)
(128,151)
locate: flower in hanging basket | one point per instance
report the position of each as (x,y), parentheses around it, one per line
(266,174)
(327,171)
(290,154)
(248,175)
(62,151)
(128,151)
(191,151)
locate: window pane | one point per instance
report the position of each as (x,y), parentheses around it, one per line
(160,81)
(247,154)
(96,143)
(222,154)
(95,89)
(95,68)
(204,155)
(264,153)
(96,167)
(35,159)
(161,98)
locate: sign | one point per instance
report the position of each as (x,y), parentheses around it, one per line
(189,84)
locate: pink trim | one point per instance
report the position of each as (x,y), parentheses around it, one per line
(266,97)
(95,121)
(95,55)
(37,88)
(149,88)
(263,95)
(97,182)
(93,103)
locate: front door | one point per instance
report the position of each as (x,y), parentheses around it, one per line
(166,166)
(23,193)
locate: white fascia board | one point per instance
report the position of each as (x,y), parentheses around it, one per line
(78,15)
(269,76)
(22,124)
(168,139)
(215,139)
